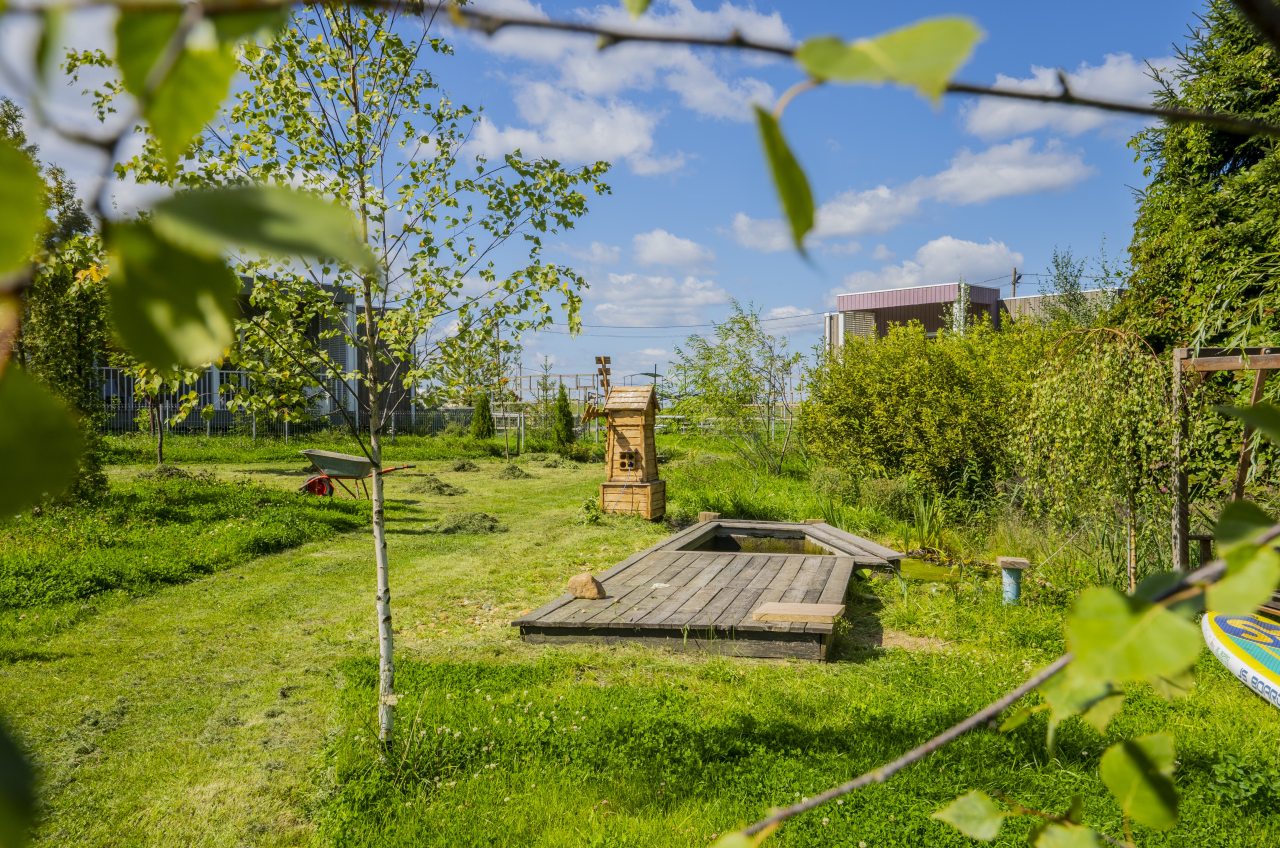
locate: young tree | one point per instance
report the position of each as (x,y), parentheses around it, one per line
(64,322)
(739,378)
(342,104)
(482,426)
(563,423)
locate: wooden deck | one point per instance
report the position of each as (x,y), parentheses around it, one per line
(681,595)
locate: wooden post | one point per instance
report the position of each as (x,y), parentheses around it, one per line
(1181,518)
(1246,450)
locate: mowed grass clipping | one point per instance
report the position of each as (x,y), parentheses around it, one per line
(146,533)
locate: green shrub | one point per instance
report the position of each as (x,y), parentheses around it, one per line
(837,484)
(939,409)
(482,418)
(563,420)
(891,496)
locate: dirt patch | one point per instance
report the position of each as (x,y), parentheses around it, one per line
(469,522)
(898,639)
(514,472)
(430,484)
(464,465)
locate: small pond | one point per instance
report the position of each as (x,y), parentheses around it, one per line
(744,543)
(931,572)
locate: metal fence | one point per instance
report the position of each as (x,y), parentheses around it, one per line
(209,415)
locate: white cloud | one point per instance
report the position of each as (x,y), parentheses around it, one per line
(598,253)
(629,300)
(943,260)
(786,312)
(765,235)
(577,129)
(1006,170)
(697,79)
(1120,77)
(1003,170)
(882,253)
(659,247)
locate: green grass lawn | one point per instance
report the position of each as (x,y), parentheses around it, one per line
(238,708)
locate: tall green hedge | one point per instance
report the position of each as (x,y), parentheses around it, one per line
(482,417)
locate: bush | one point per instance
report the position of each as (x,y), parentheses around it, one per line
(937,409)
(482,418)
(563,420)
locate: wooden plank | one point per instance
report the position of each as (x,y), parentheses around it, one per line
(811,577)
(707,567)
(637,576)
(713,613)
(852,543)
(1256,362)
(610,577)
(698,601)
(764,645)
(777,587)
(778,611)
(837,582)
(668,567)
(740,609)
(650,602)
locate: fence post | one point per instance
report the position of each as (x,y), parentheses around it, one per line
(286,431)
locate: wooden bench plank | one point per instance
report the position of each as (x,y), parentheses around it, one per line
(779,611)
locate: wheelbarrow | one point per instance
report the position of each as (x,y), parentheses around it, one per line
(336,467)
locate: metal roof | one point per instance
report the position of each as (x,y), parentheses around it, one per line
(914,296)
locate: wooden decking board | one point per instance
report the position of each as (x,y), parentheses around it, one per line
(632,583)
(617,593)
(668,568)
(699,600)
(709,596)
(703,571)
(712,612)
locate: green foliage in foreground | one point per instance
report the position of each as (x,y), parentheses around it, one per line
(147,533)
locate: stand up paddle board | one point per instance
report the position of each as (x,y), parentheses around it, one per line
(1249,646)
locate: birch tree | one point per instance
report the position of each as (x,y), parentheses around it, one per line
(342,104)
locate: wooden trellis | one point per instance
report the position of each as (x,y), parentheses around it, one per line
(1188,368)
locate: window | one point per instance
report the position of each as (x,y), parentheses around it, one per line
(627,460)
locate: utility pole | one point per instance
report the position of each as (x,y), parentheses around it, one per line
(1016,279)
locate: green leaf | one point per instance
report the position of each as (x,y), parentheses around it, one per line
(1116,638)
(39,441)
(1066,836)
(736,839)
(1178,686)
(1100,713)
(924,55)
(1016,719)
(788,178)
(21,208)
(1241,521)
(1246,584)
(1139,772)
(1263,417)
(189,94)
(266,219)
(974,814)
(636,7)
(171,307)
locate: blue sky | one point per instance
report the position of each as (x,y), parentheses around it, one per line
(910,193)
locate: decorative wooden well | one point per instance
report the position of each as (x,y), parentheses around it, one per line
(631,457)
